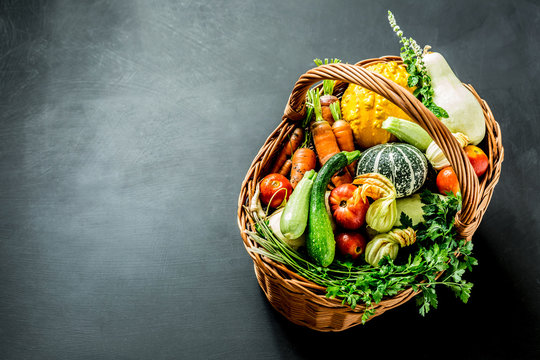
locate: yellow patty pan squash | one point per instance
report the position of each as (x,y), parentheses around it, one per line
(366,110)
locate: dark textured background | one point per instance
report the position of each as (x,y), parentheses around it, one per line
(126,128)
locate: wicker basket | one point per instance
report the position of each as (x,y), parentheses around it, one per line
(303,302)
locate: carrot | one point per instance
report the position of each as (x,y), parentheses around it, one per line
(342,177)
(286,168)
(323,137)
(325,141)
(343,133)
(328,89)
(288,149)
(326,101)
(303,160)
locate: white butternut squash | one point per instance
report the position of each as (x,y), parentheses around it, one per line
(465,114)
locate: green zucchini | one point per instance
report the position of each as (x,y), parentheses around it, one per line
(320,242)
(295,215)
(408,132)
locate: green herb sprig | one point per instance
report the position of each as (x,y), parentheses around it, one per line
(437,249)
(412,55)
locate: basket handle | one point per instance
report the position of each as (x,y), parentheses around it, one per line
(295,110)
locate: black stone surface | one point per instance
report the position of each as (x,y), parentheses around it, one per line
(126,128)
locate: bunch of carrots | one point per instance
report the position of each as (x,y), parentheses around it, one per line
(328,133)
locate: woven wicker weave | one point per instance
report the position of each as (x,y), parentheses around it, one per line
(303,302)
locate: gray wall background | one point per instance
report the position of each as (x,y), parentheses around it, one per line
(126,128)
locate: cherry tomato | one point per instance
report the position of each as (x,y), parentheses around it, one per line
(447,181)
(348,215)
(275,189)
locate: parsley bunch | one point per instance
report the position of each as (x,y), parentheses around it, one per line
(412,54)
(437,251)
(439,245)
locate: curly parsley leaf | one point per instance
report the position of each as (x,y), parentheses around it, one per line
(405,221)
(437,250)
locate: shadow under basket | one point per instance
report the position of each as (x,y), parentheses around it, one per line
(304,302)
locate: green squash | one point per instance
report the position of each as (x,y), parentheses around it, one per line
(403,164)
(412,207)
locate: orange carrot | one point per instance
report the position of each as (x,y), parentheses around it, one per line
(343,132)
(326,147)
(288,149)
(324,139)
(342,177)
(344,136)
(286,168)
(328,90)
(326,101)
(304,159)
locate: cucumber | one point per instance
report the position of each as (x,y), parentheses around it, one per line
(408,132)
(320,243)
(295,215)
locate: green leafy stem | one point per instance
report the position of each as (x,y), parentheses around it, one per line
(437,251)
(412,56)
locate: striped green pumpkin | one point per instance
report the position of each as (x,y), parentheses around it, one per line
(403,164)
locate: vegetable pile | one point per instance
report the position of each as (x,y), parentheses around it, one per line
(361,200)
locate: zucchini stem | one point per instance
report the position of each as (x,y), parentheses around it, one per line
(352,156)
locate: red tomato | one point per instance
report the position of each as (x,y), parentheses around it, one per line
(347,214)
(275,188)
(478,159)
(447,181)
(350,244)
